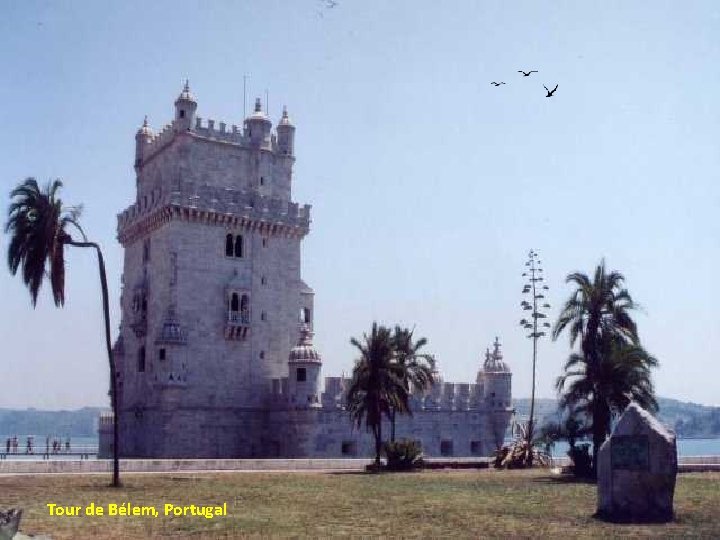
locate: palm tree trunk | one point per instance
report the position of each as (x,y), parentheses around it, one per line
(392,424)
(108,345)
(598,433)
(600,425)
(377,431)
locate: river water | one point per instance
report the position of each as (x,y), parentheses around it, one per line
(686,448)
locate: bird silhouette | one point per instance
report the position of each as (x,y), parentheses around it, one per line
(526,73)
(496,83)
(549,93)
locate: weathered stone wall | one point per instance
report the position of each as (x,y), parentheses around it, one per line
(328,433)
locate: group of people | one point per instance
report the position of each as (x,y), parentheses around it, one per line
(57,445)
(11,445)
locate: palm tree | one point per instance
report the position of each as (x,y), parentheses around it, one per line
(612,368)
(38,225)
(418,369)
(622,375)
(377,383)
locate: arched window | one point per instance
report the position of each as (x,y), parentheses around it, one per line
(238,246)
(234,302)
(305,315)
(245,309)
(141,359)
(229,245)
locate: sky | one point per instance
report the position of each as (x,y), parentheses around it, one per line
(429,185)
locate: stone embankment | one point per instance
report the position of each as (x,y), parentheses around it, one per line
(685,464)
(65,466)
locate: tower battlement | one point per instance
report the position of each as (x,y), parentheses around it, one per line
(207,129)
(256,131)
(219,205)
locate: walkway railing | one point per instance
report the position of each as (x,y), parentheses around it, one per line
(81,451)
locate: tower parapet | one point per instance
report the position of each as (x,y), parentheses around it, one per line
(219,206)
(256,132)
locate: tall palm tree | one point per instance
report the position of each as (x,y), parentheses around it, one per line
(621,375)
(418,369)
(612,368)
(38,226)
(377,383)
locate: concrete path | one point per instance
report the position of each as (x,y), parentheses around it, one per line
(164,466)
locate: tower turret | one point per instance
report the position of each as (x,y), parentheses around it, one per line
(258,125)
(304,365)
(185,107)
(142,138)
(286,135)
(496,378)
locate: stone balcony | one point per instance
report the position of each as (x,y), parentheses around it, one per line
(237,325)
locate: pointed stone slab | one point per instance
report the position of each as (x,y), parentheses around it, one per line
(9,523)
(636,470)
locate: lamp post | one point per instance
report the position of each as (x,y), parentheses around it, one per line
(536,287)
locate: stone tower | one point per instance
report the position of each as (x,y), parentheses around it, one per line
(496,381)
(212,293)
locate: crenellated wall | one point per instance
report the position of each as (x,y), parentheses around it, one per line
(207,129)
(219,200)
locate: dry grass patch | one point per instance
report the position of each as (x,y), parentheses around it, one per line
(430,504)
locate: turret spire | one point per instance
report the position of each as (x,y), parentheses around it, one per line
(497,355)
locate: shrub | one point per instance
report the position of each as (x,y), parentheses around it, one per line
(500,455)
(581,461)
(516,456)
(403,455)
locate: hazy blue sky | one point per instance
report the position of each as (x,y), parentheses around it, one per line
(428,185)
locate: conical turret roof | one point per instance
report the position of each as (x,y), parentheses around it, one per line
(304,350)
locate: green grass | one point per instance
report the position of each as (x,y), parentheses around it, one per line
(487,503)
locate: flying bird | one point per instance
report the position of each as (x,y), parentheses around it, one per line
(326,4)
(496,83)
(526,73)
(549,93)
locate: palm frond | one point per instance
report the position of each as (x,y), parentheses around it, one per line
(37,224)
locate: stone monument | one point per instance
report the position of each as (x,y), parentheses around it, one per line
(636,469)
(9,523)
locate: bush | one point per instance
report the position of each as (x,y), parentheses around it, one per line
(516,456)
(403,455)
(581,461)
(500,455)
